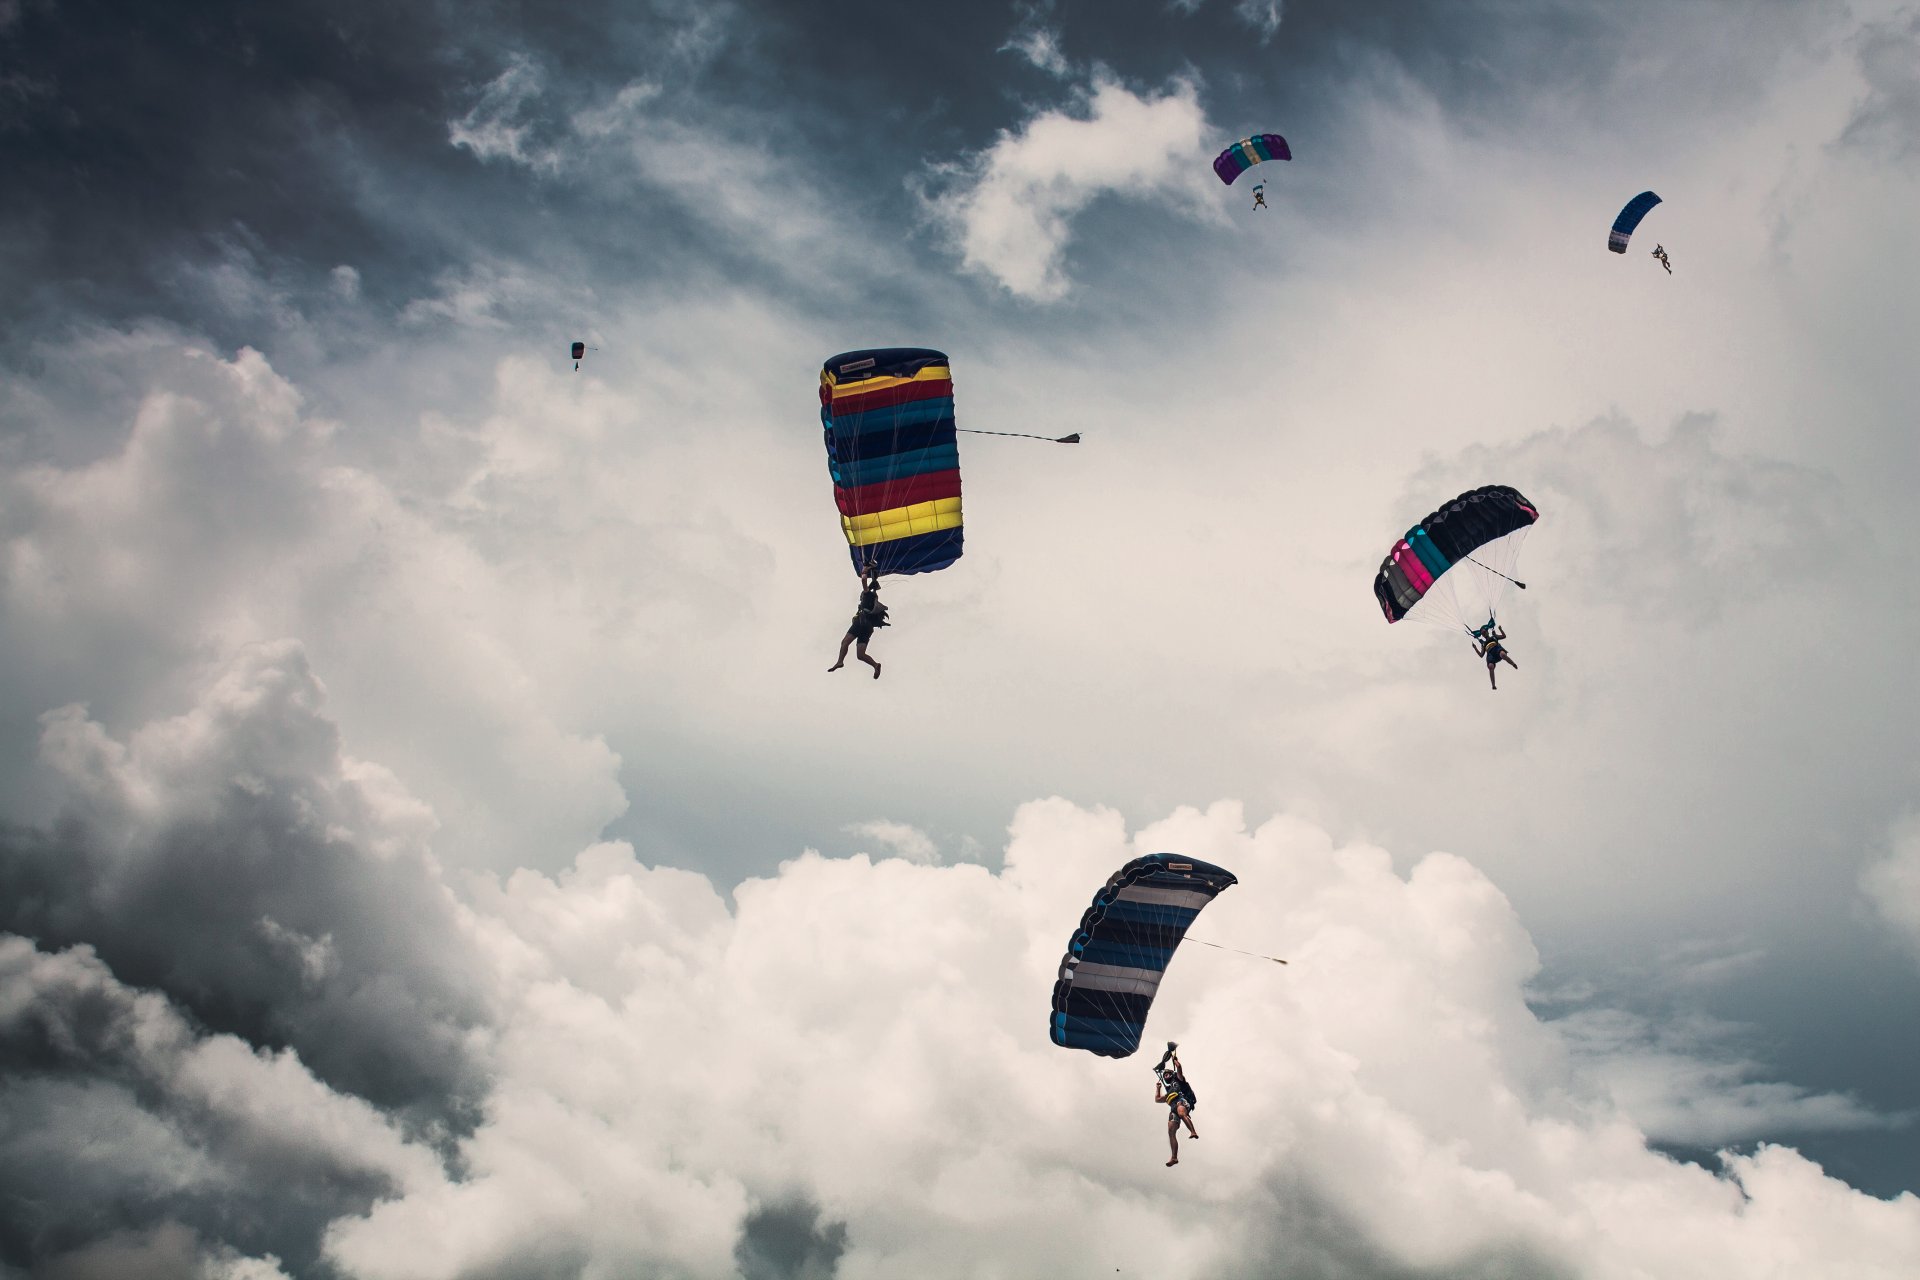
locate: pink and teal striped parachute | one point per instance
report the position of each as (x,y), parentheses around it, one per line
(1452,568)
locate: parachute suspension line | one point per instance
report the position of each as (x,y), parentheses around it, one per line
(1021,435)
(1237,951)
(1496,573)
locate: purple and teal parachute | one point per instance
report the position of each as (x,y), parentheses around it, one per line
(1452,568)
(1629,218)
(1116,958)
(894,457)
(1248,152)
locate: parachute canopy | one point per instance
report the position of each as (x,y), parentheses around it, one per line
(894,457)
(1453,567)
(1248,152)
(579,349)
(1116,957)
(1629,219)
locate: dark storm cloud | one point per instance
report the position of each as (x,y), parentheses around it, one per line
(143,146)
(117,1116)
(138,141)
(251,898)
(788,1241)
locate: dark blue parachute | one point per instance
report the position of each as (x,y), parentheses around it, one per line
(1629,219)
(1117,956)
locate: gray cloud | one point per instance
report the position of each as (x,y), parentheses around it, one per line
(1301,1232)
(232,860)
(1887,120)
(170,1251)
(118,1115)
(787,1240)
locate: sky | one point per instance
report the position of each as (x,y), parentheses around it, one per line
(431,846)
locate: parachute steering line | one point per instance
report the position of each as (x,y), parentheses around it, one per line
(1021,435)
(1237,951)
(1496,573)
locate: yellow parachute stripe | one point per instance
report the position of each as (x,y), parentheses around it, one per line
(902,522)
(932,373)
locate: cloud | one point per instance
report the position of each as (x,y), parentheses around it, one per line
(905,841)
(1892,884)
(1679,1084)
(788,1241)
(860,1081)
(169,1251)
(915,996)
(1887,121)
(209,509)
(1009,209)
(128,1131)
(495,127)
(233,859)
(1040,46)
(1262,15)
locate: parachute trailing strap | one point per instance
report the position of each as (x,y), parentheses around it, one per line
(1021,435)
(1237,951)
(1496,573)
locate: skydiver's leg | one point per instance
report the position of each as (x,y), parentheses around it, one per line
(1173,1139)
(1491,682)
(846,642)
(861,653)
(1186,1114)
(1508,659)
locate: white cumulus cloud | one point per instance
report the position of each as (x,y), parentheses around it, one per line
(1010,211)
(866,1041)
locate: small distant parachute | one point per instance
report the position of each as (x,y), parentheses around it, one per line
(894,457)
(578,352)
(1116,958)
(1248,152)
(1629,218)
(1453,568)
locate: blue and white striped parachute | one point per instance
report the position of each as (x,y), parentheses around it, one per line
(1117,956)
(1629,219)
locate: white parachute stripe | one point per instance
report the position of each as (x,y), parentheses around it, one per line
(1192,899)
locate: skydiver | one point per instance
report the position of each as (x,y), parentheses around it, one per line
(867,616)
(1170,1087)
(1489,647)
(1660,252)
(1259,195)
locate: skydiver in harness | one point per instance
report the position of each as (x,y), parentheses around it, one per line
(1259,195)
(1660,252)
(1171,1088)
(1486,643)
(869,615)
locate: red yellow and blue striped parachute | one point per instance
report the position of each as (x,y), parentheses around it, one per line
(1248,152)
(1452,568)
(894,457)
(1126,939)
